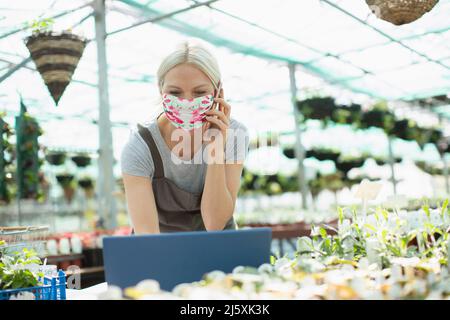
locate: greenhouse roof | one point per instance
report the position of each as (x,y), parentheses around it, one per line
(341,48)
(340,41)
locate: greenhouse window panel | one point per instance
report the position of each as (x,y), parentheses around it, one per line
(376,88)
(383,58)
(435,46)
(423,77)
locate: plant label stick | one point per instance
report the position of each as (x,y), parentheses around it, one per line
(366,191)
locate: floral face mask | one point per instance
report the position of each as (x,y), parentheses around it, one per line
(187,114)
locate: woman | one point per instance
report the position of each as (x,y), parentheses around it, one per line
(182,171)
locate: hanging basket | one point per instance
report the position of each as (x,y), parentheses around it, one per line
(56,158)
(81,160)
(56,56)
(400,12)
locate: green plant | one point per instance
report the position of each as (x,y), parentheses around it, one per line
(82,160)
(317,108)
(41,25)
(28,162)
(379,116)
(55,158)
(6,160)
(18,270)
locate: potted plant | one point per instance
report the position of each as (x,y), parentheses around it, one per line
(346,164)
(56,158)
(323,154)
(426,135)
(289,152)
(66,181)
(380,161)
(404,129)
(56,55)
(400,12)
(379,116)
(82,160)
(317,108)
(347,114)
(87,185)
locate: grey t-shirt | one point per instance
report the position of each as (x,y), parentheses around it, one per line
(136,159)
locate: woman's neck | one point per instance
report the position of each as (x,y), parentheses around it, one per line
(167,130)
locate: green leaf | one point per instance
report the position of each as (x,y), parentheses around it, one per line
(371,227)
(426,209)
(444,207)
(323,232)
(341,215)
(273,260)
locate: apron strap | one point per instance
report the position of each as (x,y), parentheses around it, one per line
(157,161)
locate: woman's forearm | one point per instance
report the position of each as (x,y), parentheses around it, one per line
(217,204)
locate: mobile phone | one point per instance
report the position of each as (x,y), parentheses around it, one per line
(216,104)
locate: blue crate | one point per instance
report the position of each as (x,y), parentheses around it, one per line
(52,289)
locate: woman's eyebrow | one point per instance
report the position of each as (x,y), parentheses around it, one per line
(200,86)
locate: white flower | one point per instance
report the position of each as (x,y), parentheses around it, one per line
(148,286)
(265,268)
(112,293)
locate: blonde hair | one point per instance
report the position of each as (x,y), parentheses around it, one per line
(193,52)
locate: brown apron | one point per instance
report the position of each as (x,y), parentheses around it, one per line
(178,209)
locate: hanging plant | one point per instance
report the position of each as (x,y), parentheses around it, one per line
(317,108)
(379,117)
(66,181)
(346,164)
(380,161)
(55,54)
(400,12)
(347,114)
(323,154)
(426,135)
(404,129)
(289,152)
(435,136)
(87,185)
(82,160)
(56,158)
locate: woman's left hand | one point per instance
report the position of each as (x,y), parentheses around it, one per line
(219,119)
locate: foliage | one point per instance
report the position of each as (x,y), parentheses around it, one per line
(41,25)
(28,162)
(19,270)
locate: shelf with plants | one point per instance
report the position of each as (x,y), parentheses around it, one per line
(386,255)
(27,151)
(6,161)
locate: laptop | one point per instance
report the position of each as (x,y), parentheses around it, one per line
(174,258)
